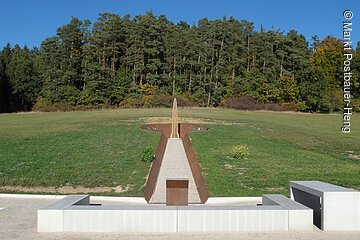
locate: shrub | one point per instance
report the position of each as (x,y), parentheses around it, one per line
(43,104)
(240,151)
(131,102)
(336,100)
(250,103)
(355,104)
(242,103)
(160,100)
(292,106)
(147,155)
(272,107)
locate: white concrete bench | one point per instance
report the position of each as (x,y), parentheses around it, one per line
(335,207)
(300,216)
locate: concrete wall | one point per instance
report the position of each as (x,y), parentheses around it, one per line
(341,211)
(335,207)
(161,218)
(51,218)
(300,216)
(245,219)
(120,220)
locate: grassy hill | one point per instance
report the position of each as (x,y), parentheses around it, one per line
(42,151)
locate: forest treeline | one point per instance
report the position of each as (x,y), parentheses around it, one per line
(145,60)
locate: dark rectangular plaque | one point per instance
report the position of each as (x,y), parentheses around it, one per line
(177,192)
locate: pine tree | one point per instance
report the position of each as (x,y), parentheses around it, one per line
(23,79)
(115,58)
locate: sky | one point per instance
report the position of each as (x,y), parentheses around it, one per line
(29,22)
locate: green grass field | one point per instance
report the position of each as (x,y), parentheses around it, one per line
(103,148)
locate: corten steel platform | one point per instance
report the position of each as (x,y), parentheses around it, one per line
(175,176)
(175,158)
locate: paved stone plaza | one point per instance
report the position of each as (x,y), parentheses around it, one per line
(18,221)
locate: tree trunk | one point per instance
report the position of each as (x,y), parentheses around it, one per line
(174,72)
(134,74)
(113,60)
(208,100)
(248,54)
(233,76)
(190,79)
(281,66)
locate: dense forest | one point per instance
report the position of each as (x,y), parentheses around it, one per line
(119,61)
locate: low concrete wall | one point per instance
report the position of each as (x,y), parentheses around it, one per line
(120,219)
(51,218)
(161,218)
(233,219)
(300,216)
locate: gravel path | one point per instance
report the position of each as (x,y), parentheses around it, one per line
(18,221)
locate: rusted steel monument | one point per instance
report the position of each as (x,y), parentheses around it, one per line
(175,179)
(175,176)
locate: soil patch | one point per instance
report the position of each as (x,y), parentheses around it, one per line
(65,189)
(275,189)
(164,120)
(228,166)
(352,155)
